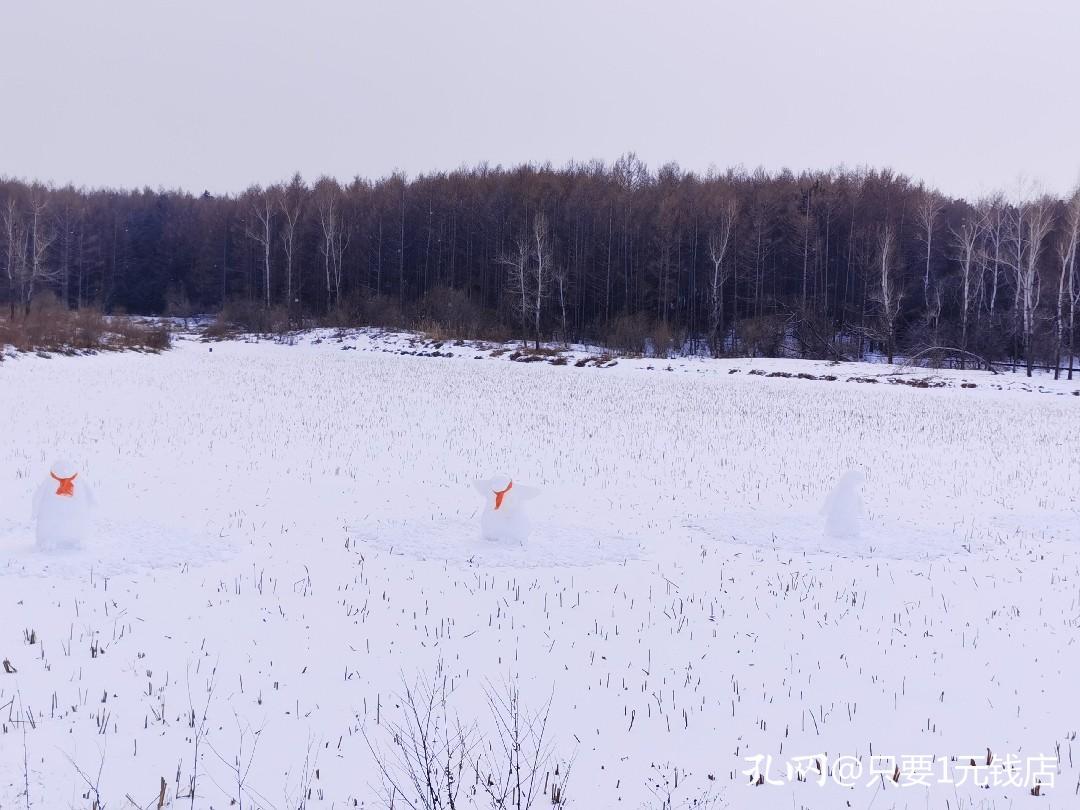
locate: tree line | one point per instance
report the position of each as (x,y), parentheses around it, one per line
(839,263)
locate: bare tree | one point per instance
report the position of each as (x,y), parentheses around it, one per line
(560,275)
(260,230)
(933,313)
(335,238)
(517,283)
(930,207)
(1068,288)
(887,292)
(531,272)
(67,218)
(993,211)
(15,243)
(541,271)
(809,204)
(966,243)
(1030,224)
(719,241)
(290,200)
(41,235)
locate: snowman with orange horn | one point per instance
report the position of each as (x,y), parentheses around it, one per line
(62,506)
(505,517)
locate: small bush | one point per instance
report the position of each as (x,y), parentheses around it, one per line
(156,338)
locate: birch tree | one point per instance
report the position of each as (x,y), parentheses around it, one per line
(40,236)
(335,240)
(1068,288)
(966,243)
(290,201)
(929,209)
(541,272)
(887,292)
(561,281)
(995,220)
(531,272)
(259,228)
(719,241)
(15,250)
(1030,224)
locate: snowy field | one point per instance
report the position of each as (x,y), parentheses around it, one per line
(287,534)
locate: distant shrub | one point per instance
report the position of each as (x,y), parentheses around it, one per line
(452,311)
(177,303)
(637,336)
(629,334)
(380,310)
(662,339)
(251,317)
(762,337)
(50,327)
(541,355)
(218,329)
(157,338)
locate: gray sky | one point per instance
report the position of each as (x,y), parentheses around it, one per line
(966,94)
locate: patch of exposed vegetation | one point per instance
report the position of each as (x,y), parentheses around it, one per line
(49,329)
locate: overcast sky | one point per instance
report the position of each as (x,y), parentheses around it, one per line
(966,94)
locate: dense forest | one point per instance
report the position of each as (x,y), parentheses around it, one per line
(830,264)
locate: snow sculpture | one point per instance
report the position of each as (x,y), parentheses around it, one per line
(504,517)
(62,506)
(843,508)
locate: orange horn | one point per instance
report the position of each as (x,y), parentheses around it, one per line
(500,494)
(67,485)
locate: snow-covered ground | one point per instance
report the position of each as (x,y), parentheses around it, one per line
(287,533)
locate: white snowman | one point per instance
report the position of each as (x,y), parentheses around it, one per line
(504,517)
(62,507)
(843,508)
